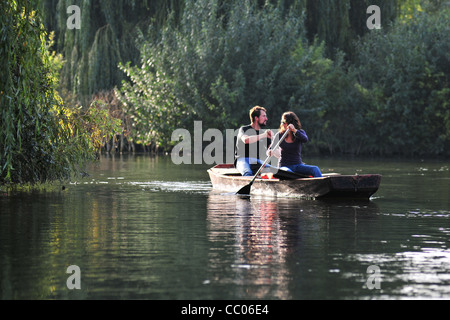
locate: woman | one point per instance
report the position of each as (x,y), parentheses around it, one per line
(291,148)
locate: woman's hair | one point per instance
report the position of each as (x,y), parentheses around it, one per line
(290,117)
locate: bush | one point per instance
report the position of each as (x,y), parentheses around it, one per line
(404,72)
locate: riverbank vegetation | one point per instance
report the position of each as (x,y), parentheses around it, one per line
(41,139)
(137,70)
(386,92)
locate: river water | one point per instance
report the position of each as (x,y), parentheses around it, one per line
(140,227)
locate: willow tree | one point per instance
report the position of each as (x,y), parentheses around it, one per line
(339,23)
(106,37)
(40,139)
(108,32)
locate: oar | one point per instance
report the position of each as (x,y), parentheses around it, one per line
(246,189)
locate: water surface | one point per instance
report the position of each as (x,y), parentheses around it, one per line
(140,227)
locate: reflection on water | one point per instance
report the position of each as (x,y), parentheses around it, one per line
(312,249)
(418,274)
(247,240)
(142,228)
(272,246)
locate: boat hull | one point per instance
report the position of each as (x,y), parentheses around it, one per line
(226,178)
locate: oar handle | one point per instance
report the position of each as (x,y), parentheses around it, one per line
(281,140)
(267,159)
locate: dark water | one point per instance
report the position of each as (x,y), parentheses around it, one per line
(142,228)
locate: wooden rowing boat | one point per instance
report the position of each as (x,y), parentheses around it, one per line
(225,177)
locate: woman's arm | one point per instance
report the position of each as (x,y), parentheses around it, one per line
(301,135)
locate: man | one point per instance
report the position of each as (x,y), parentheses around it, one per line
(252,143)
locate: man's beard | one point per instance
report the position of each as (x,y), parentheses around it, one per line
(262,125)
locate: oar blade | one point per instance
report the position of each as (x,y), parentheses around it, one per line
(245,190)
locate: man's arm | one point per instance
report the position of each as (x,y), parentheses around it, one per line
(252,139)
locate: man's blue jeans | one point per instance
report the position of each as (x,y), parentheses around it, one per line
(243,165)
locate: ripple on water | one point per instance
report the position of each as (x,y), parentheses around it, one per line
(174,186)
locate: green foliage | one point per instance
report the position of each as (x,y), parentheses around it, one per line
(216,65)
(222,59)
(405,73)
(339,23)
(331,106)
(151,104)
(386,93)
(26,94)
(40,139)
(106,38)
(87,131)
